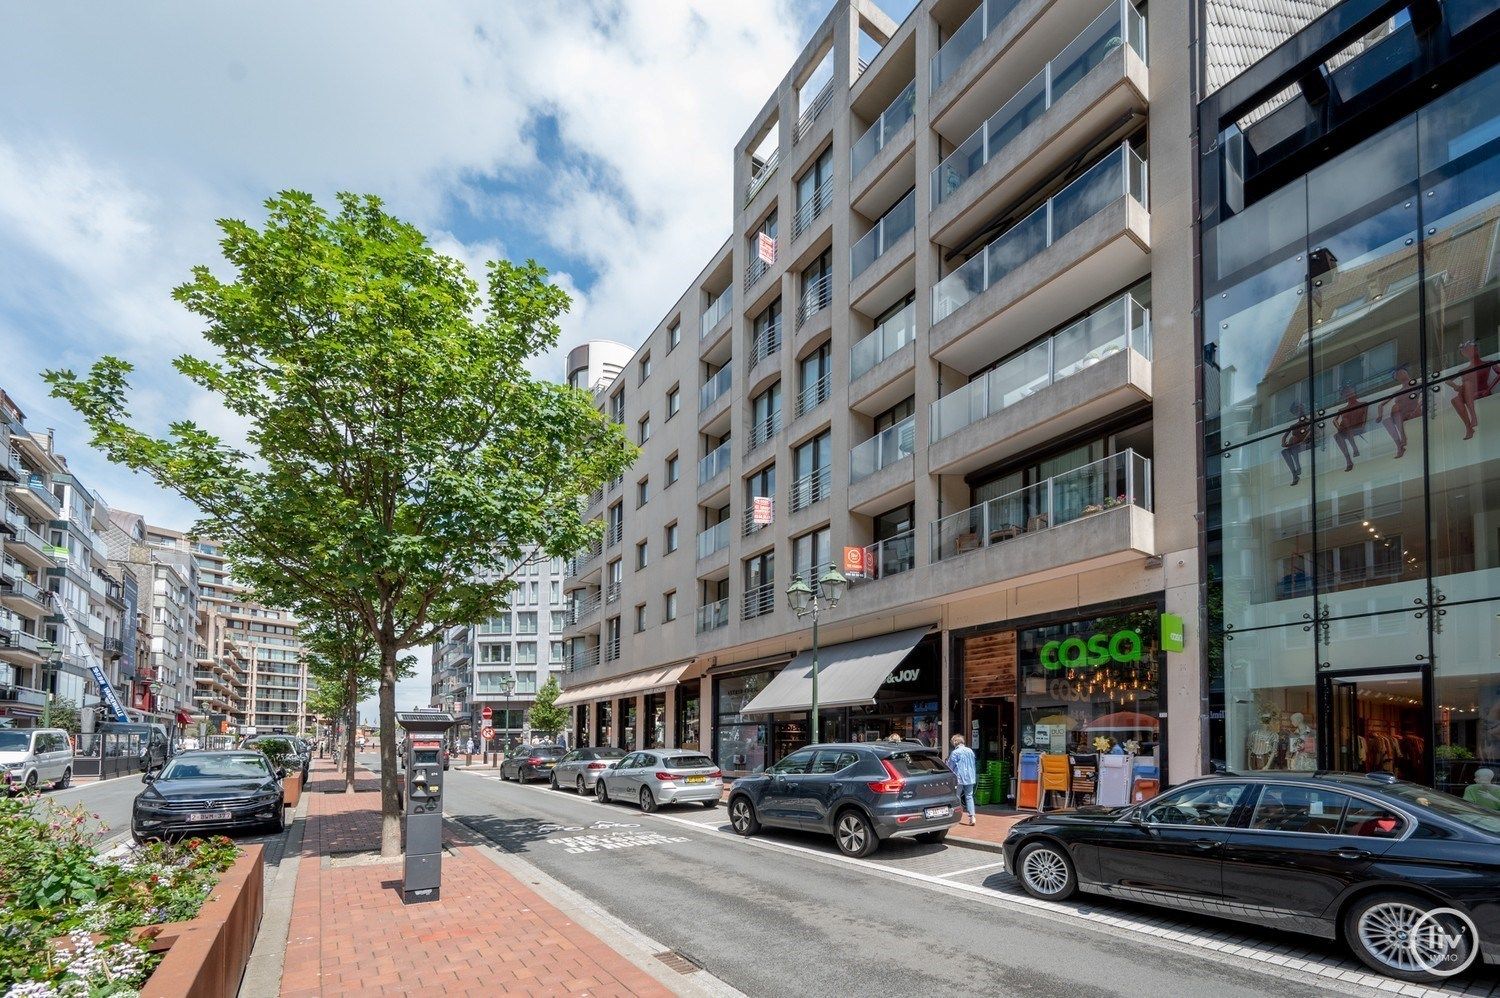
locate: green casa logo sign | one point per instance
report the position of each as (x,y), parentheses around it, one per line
(1075,653)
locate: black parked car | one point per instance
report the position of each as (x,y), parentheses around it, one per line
(531,762)
(861,794)
(1408,877)
(209,791)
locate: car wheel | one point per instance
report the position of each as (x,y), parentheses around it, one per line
(854,834)
(601,791)
(1392,933)
(1046,872)
(31,782)
(277,825)
(582,787)
(742,816)
(648,800)
(67,779)
(710,804)
(933,838)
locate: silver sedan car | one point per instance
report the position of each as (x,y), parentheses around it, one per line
(580,768)
(662,776)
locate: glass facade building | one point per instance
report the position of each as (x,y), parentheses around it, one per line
(1351,361)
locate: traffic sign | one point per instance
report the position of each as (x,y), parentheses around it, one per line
(486,732)
(487,713)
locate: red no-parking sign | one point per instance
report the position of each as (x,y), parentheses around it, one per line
(486,733)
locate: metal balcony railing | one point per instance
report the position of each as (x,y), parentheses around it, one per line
(810,115)
(38,486)
(813,395)
(612,591)
(890,336)
(765,343)
(714,539)
(813,575)
(761,432)
(583,606)
(586,659)
(892,226)
(1121,173)
(809,211)
(14,585)
(717,309)
(883,449)
(614,533)
(884,128)
(962,43)
(758,601)
(712,616)
(1124,324)
(760,172)
(714,388)
(612,649)
(714,463)
(817,294)
(891,556)
(748,524)
(1122,479)
(810,489)
(1120,24)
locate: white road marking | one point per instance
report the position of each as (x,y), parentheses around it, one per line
(972,869)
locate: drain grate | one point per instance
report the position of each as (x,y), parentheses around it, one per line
(679,961)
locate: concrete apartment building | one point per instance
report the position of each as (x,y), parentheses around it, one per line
(949,349)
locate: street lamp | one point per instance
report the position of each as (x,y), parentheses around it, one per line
(805,600)
(507,684)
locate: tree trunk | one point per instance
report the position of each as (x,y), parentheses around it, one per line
(390,808)
(353,697)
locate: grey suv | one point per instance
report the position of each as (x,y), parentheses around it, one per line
(861,794)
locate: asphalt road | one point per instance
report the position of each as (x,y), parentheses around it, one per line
(783,914)
(110,799)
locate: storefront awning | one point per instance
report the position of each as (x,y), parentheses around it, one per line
(848,674)
(624,686)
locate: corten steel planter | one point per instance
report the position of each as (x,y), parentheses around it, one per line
(291,788)
(206,956)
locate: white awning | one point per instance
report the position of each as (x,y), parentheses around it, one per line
(623,686)
(848,674)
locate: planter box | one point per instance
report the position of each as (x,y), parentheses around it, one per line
(206,957)
(291,788)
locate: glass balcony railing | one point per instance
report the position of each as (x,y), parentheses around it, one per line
(1120,24)
(714,463)
(1121,173)
(814,395)
(758,601)
(810,210)
(890,336)
(716,311)
(885,127)
(810,488)
(1123,324)
(962,43)
(765,343)
(712,616)
(1122,479)
(891,556)
(714,539)
(883,449)
(892,226)
(38,487)
(714,388)
(14,585)
(817,294)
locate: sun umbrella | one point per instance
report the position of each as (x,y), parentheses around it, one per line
(1124,720)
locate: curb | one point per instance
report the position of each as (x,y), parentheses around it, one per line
(978,845)
(268,955)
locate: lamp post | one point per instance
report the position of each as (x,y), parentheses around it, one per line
(805,600)
(507,684)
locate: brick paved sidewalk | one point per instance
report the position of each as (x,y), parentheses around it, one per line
(489,934)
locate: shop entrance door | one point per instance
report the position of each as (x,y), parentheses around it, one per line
(992,731)
(1377,722)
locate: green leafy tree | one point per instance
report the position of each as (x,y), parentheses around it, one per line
(401,452)
(545,715)
(344,665)
(62,712)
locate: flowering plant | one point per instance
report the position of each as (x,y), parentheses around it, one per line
(1133,747)
(1103,743)
(1118,500)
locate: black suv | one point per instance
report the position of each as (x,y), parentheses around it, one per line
(860,793)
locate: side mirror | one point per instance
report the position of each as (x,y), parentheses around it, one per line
(281,774)
(148,777)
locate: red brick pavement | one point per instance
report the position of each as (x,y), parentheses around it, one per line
(488,935)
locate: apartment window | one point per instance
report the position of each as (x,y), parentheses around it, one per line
(559,621)
(612,639)
(526,682)
(760,585)
(642,492)
(535,590)
(559,652)
(895,414)
(815,379)
(526,622)
(765,416)
(674,335)
(526,652)
(616,529)
(556,592)
(617,406)
(674,401)
(813,191)
(496,625)
(669,606)
(810,553)
(674,469)
(616,575)
(643,429)
(494,654)
(642,558)
(811,464)
(762,484)
(640,617)
(645,367)
(671,537)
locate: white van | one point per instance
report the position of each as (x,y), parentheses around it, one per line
(30,757)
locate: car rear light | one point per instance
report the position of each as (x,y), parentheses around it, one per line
(535,760)
(904,818)
(598,765)
(666,776)
(894,782)
(716,775)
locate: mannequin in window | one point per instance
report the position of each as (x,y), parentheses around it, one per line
(1405,406)
(1295,440)
(1483,792)
(1474,382)
(1302,746)
(1350,423)
(1260,745)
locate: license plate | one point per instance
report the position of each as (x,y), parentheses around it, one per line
(937,812)
(209,816)
(697,779)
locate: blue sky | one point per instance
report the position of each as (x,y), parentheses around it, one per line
(596,137)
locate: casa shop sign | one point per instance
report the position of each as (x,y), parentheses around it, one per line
(1093,651)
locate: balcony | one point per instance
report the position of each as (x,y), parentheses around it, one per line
(892,226)
(584,606)
(718,310)
(756,269)
(38,487)
(1122,479)
(586,659)
(810,489)
(614,533)
(611,649)
(1090,369)
(883,449)
(765,343)
(873,349)
(812,112)
(763,431)
(1090,238)
(579,563)
(758,602)
(891,556)
(817,294)
(24,596)
(714,388)
(712,616)
(813,208)
(714,464)
(885,128)
(612,591)
(814,395)
(10,465)
(760,172)
(963,42)
(21,646)
(748,524)
(1118,27)
(713,540)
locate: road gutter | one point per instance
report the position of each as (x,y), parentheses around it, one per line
(268,957)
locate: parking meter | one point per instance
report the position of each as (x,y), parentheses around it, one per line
(423,792)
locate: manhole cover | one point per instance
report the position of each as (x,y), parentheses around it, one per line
(679,961)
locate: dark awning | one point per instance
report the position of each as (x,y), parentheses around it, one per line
(848,674)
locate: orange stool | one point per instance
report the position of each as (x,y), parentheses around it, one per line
(1054,778)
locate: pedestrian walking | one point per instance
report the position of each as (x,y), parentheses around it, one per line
(961,761)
